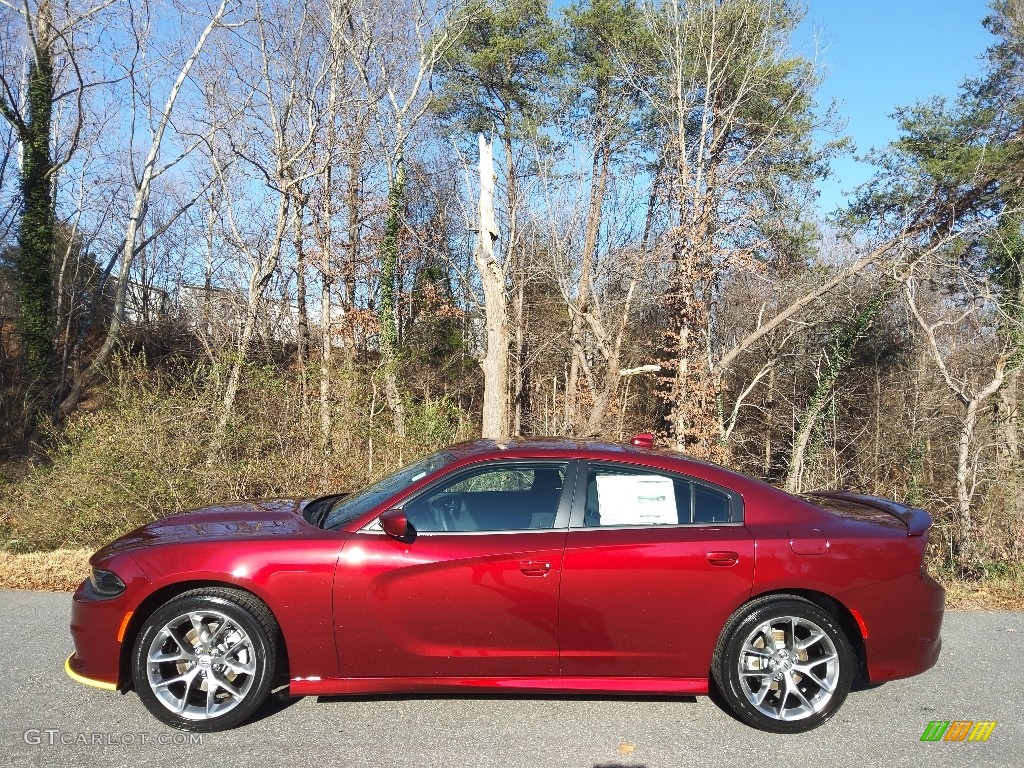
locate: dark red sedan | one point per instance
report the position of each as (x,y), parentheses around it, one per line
(525,565)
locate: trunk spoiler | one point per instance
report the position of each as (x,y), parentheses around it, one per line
(917,520)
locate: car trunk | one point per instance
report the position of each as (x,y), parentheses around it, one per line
(886,512)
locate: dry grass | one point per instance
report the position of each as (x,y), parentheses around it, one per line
(61,570)
(995,594)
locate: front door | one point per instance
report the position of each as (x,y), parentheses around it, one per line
(474,593)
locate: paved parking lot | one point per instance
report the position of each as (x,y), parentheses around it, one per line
(978,677)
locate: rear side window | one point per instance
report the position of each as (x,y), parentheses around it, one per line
(710,506)
(634,496)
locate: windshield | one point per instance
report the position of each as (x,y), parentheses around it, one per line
(347,509)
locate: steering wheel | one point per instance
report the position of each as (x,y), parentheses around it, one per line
(445,508)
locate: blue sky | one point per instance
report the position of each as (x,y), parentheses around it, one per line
(879,54)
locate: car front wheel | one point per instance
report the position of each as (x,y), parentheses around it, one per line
(205,660)
(783,664)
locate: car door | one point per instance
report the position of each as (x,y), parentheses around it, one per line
(473,592)
(654,564)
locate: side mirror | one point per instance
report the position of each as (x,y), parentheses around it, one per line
(396,524)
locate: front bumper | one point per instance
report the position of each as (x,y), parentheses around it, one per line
(69,668)
(98,627)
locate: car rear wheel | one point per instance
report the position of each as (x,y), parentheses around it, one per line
(783,664)
(205,660)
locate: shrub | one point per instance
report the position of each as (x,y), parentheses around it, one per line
(148,452)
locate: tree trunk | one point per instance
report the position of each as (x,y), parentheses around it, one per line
(593,229)
(354,195)
(966,469)
(794,478)
(326,338)
(33,260)
(495,362)
(388,302)
(963,534)
(326,350)
(302,320)
(691,415)
(1008,417)
(612,368)
(518,356)
(841,354)
(302,311)
(257,284)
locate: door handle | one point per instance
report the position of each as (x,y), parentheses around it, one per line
(723,558)
(534,567)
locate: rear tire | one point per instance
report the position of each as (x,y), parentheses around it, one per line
(206,659)
(783,664)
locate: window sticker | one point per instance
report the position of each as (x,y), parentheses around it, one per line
(636,500)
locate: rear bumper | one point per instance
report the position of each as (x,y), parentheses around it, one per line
(904,621)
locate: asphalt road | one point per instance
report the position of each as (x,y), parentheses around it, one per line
(979,677)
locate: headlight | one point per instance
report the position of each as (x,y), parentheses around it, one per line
(105,583)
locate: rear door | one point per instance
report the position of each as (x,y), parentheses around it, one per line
(654,564)
(474,593)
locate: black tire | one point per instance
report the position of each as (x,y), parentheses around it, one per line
(755,656)
(220,639)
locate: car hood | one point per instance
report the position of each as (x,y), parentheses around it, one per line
(238,520)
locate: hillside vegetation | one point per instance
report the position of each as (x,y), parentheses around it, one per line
(282,248)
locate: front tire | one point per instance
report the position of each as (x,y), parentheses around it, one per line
(205,660)
(783,664)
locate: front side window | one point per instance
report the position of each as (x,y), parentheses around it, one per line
(618,496)
(499,497)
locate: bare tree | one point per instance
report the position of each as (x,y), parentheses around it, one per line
(48,33)
(273,144)
(143,178)
(729,99)
(951,326)
(323,218)
(395,55)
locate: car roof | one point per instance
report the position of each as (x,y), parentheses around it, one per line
(577,448)
(570,447)
(545,445)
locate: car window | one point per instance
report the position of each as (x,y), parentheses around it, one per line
(619,496)
(710,506)
(505,497)
(512,479)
